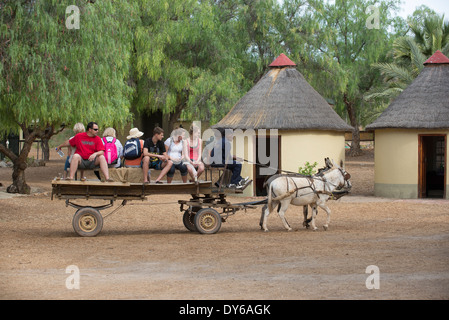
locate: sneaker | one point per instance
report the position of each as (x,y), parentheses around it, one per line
(230,186)
(243,181)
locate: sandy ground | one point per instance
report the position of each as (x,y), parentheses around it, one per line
(145,252)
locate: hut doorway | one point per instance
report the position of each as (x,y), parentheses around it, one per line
(432,166)
(268,161)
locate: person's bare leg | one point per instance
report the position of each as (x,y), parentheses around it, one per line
(165,168)
(76,159)
(145,168)
(101,160)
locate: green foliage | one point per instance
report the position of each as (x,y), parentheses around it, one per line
(346,48)
(52,75)
(308,169)
(429,33)
(184,60)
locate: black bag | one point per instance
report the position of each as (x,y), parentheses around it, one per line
(132,149)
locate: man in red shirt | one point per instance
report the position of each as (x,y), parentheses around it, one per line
(89,152)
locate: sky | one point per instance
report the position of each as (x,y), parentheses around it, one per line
(439,6)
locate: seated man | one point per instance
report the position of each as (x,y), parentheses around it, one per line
(89,152)
(222,144)
(155,156)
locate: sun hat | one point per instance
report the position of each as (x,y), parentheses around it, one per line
(134,133)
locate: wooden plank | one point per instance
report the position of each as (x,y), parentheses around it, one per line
(90,183)
(364,136)
(118,190)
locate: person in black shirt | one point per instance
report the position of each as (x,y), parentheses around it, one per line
(223,140)
(155,156)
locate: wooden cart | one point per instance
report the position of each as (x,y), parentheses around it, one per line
(199,213)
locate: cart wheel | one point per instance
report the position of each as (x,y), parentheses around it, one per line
(207,221)
(188,220)
(87,222)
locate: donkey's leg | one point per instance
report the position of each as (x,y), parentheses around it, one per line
(262,215)
(281,212)
(305,211)
(322,205)
(314,213)
(265,214)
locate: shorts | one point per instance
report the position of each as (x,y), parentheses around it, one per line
(181,167)
(155,164)
(86,164)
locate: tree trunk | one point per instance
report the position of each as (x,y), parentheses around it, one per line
(45,149)
(173,117)
(19,184)
(355,144)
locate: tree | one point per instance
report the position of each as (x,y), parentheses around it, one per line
(429,33)
(345,43)
(53,75)
(185,63)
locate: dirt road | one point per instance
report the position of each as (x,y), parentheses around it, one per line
(145,252)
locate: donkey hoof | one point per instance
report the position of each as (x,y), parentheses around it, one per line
(325,228)
(315,229)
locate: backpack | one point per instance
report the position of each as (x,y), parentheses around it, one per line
(132,149)
(110,151)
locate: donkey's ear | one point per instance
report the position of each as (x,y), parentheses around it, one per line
(333,163)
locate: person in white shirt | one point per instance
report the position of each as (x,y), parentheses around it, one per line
(177,152)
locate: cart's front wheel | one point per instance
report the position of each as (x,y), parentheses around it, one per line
(87,222)
(207,221)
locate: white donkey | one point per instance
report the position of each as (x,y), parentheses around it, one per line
(305,190)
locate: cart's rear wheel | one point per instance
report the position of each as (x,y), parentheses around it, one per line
(87,222)
(207,221)
(188,218)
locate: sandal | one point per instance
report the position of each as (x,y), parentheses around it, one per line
(158,182)
(83,179)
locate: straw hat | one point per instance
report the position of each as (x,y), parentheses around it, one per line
(134,133)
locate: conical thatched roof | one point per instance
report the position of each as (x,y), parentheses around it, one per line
(283,99)
(424,104)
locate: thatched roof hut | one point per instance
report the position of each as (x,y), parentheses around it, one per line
(411,137)
(423,104)
(283,99)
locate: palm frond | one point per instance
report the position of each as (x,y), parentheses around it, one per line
(394,72)
(382,93)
